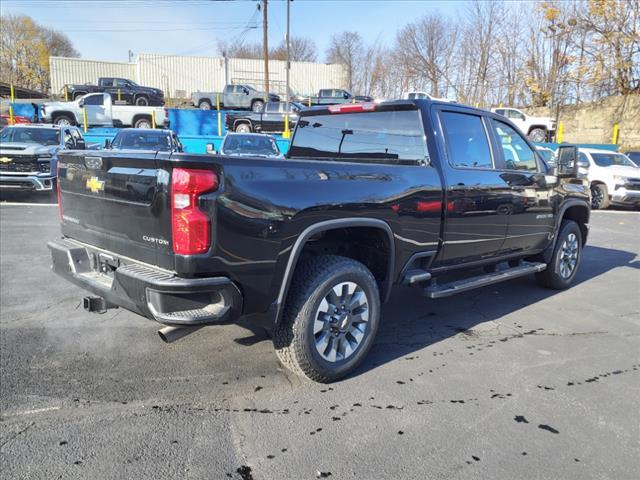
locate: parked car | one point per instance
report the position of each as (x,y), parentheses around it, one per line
(17,120)
(369,196)
(270,120)
(634,157)
(127,90)
(250,144)
(29,155)
(234,97)
(537,129)
(424,96)
(548,155)
(613,178)
(101,112)
(155,140)
(333,96)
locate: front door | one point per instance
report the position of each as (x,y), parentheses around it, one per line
(531,220)
(98,108)
(478,201)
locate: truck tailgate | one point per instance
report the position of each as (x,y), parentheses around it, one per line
(118,202)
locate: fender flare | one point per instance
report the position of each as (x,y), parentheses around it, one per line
(324,226)
(546,254)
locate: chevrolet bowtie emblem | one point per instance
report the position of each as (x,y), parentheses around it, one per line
(5,160)
(95,185)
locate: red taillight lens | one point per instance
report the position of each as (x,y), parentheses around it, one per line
(58,189)
(352,108)
(191,227)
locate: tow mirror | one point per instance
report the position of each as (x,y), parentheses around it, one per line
(567,161)
(107,143)
(81,102)
(80,144)
(210,149)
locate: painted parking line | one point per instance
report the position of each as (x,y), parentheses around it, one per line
(21,204)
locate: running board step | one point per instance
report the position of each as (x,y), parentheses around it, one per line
(416,276)
(447,289)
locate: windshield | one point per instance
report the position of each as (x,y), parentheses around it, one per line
(132,140)
(250,145)
(611,159)
(39,136)
(634,157)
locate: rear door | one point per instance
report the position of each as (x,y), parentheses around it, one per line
(273,117)
(478,198)
(118,202)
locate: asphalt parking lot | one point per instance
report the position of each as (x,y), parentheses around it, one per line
(510,381)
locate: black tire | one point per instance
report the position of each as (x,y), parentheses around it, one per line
(64,119)
(537,135)
(142,123)
(204,105)
(257,106)
(77,95)
(243,128)
(142,101)
(599,196)
(553,277)
(294,338)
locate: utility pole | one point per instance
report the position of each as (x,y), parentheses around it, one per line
(265,42)
(130,56)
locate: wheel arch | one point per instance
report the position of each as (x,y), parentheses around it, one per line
(578,211)
(240,121)
(66,113)
(140,116)
(348,224)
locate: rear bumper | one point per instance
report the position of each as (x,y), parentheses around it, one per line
(146,290)
(26,182)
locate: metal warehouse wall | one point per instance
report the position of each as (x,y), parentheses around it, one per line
(180,76)
(75,70)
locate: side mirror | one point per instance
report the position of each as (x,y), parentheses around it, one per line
(567,161)
(81,102)
(345,95)
(107,144)
(80,144)
(246,91)
(210,149)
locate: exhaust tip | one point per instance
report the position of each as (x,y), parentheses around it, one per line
(171,334)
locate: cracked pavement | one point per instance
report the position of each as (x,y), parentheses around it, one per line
(511,381)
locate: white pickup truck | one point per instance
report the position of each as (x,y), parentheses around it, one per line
(101,112)
(537,129)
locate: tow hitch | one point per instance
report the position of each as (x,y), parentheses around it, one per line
(96,304)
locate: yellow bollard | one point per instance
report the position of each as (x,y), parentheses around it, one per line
(66,93)
(309,100)
(13,96)
(153,119)
(616,131)
(287,131)
(219,114)
(84,118)
(11,119)
(119,96)
(559,133)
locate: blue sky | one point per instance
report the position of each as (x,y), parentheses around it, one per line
(107,29)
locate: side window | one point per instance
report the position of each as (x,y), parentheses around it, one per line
(228,89)
(107,82)
(120,83)
(68,138)
(94,100)
(466,139)
(516,115)
(582,158)
(325,93)
(517,153)
(501,111)
(272,108)
(76,135)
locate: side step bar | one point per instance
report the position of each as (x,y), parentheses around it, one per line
(416,276)
(458,286)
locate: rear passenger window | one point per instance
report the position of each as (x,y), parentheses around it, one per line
(383,137)
(466,140)
(517,153)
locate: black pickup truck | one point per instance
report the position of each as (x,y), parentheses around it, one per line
(269,120)
(122,91)
(424,193)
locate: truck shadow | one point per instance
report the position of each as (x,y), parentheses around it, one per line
(409,325)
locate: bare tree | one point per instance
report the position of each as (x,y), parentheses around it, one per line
(301,50)
(347,49)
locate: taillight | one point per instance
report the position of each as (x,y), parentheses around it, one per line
(191,227)
(352,108)
(59,194)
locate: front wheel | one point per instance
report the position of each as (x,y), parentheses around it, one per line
(257,106)
(243,128)
(204,105)
(142,123)
(142,101)
(562,268)
(64,120)
(599,196)
(537,135)
(330,318)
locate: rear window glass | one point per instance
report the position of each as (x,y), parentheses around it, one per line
(133,140)
(383,137)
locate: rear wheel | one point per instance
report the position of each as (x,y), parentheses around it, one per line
(142,101)
(599,196)
(537,135)
(64,119)
(330,318)
(562,268)
(142,123)
(243,128)
(257,106)
(204,105)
